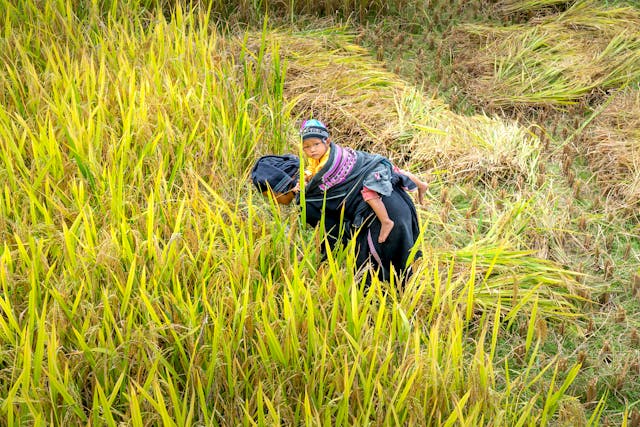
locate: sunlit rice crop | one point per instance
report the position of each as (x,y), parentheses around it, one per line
(144,282)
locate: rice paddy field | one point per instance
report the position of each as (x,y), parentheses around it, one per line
(144,282)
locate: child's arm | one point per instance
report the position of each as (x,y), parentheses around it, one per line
(422,186)
(374,200)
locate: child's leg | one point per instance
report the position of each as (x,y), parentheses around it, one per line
(422,186)
(386,225)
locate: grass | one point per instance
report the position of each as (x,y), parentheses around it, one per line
(143,281)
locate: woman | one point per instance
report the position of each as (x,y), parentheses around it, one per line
(333,192)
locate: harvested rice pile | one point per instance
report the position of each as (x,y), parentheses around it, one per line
(613,145)
(553,60)
(330,78)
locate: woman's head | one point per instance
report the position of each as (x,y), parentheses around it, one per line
(276,175)
(281,198)
(315,138)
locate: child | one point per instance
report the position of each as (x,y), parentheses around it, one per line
(316,146)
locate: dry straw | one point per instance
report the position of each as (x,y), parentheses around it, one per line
(613,149)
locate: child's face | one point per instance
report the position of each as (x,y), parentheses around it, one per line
(315,147)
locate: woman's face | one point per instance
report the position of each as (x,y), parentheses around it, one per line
(281,198)
(314,147)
